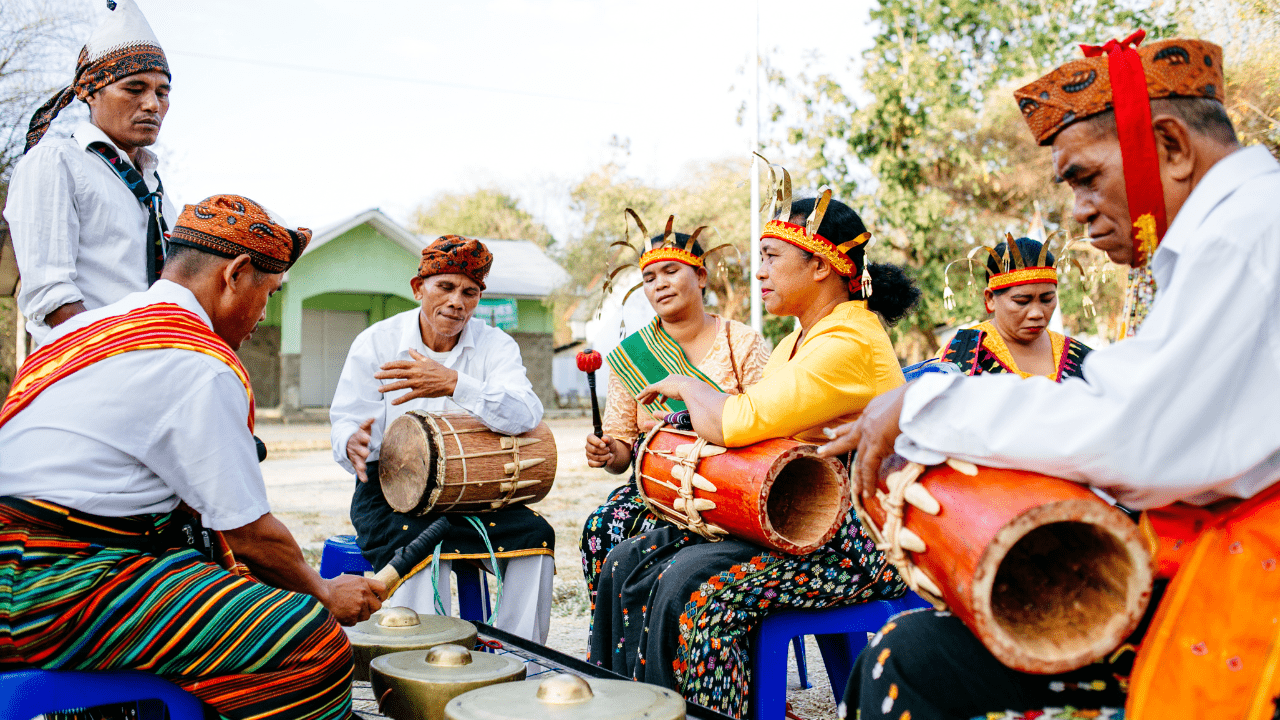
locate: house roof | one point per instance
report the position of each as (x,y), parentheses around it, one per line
(520,267)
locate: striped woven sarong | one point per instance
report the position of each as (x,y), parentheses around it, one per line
(83,592)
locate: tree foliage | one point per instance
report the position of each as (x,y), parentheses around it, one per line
(485,213)
(938,157)
(711,194)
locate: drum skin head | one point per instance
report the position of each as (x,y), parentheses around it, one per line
(405,464)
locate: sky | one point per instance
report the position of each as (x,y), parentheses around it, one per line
(322,109)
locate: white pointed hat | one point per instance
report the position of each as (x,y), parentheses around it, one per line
(122,45)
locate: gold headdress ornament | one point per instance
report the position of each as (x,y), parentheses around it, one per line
(1015,270)
(806,236)
(669,249)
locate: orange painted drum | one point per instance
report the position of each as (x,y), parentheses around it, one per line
(777,493)
(1047,574)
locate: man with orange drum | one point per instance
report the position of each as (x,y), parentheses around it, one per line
(439,358)
(1178,421)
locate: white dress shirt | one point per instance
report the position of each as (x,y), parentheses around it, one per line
(1188,409)
(139,431)
(79,234)
(492,384)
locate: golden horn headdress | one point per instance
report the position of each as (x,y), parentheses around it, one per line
(669,249)
(806,236)
(1015,270)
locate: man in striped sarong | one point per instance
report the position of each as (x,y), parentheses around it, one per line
(131,502)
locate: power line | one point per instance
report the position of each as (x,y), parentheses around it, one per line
(389,78)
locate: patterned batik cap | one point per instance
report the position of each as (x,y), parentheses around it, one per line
(123,45)
(230,225)
(456,254)
(1082,88)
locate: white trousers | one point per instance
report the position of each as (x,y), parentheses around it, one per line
(526,594)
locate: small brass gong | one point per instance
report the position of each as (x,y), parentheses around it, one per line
(397,629)
(416,685)
(567,697)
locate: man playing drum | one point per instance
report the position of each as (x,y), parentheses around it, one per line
(130,476)
(1178,420)
(439,358)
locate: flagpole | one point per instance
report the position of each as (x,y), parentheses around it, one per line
(757,321)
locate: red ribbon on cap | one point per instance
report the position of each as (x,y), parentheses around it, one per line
(1132,106)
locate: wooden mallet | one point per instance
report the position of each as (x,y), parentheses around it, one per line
(409,556)
(589,361)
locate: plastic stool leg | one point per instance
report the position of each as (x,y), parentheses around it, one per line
(767,696)
(472,592)
(802,667)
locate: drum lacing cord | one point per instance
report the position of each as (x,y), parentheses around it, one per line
(690,464)
(493,560)
(887,538)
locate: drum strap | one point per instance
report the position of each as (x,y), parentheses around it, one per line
(493,560)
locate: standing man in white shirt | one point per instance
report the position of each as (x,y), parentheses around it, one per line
(87,213)
(1179,421)
(439,358)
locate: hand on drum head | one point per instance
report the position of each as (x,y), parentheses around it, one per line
(358,449)
(352,598)
(871,436)
(422,376)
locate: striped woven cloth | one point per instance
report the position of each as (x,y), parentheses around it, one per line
(83,592)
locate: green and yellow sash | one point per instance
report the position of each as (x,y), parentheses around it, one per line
(648,355)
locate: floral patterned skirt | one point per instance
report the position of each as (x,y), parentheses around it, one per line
(622,516)
(676,610)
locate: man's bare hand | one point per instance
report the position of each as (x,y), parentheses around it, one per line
(358,449)
(352,598)
(424,377)
(872,436)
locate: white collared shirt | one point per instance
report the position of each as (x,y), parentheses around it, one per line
(1188,409)
(78,233)
(139,431)
(492,384)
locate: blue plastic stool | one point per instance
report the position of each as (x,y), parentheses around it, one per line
(841,633)
(24,694)
(342,555)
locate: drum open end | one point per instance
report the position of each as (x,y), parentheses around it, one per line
(805,493)
(1044,572)
(1069,584)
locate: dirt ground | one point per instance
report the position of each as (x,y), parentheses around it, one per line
(310,493)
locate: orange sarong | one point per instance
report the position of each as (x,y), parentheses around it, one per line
(1213,649)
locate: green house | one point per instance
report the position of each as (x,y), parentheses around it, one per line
(356,273)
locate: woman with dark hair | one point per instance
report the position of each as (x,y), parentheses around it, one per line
(675,610)
(1020,297)
(684,339)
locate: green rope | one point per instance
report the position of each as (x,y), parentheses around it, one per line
(435,579)
(493,558)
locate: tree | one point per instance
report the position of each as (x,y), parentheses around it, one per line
(37,40)
(485,213)
(949,160)
(713,194)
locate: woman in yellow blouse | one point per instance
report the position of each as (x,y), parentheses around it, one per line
(673,609)
(684,338)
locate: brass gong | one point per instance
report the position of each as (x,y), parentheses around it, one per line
(397,629)
(417,684)
(567,697)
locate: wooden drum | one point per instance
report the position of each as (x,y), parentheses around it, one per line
(777,493)
(1047,574)
(451,462)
